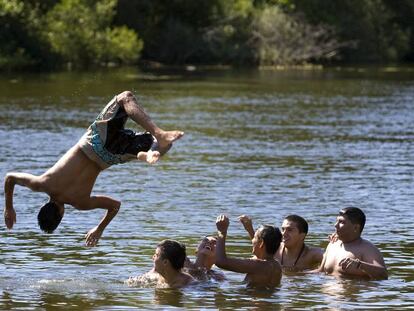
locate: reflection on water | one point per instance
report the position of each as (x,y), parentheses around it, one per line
(264,144)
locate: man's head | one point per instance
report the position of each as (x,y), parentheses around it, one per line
(206,251)
(266,239)
(294,230)
(349,223)
(169,252)
(50,215)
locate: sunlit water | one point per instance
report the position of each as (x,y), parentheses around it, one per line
(266,144)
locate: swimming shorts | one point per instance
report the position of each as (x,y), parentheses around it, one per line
(107,142)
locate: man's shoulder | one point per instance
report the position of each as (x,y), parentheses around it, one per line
(334,244)
(276,266)
(263,265)
(188,278)
(366,243)
(315,251)
(368,246)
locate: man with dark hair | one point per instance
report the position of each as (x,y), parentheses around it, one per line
(168,260)
(349,255)
(262,270)
(49,216)
(71,179)
(293,254)
(201,268)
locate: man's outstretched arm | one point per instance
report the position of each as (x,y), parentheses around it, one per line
(12,179)
(112,206)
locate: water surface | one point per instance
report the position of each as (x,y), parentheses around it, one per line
(266,144)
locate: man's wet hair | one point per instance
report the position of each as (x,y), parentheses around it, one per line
(355,216)
(174,252)
(49,217)
(300,222)
(271,237)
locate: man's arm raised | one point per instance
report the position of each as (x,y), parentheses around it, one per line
(232,264)
(247,224)
(22,179)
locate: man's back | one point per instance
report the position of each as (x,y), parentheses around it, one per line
(268,274)
(71,178)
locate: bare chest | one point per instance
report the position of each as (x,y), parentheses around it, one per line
(336,253)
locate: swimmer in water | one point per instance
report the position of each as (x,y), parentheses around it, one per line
(72,178)
(201,269)
(262,270)
(348,254)
(293,254)
(168,259)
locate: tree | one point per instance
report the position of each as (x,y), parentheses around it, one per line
(369,23)
(93,40)
(279,38)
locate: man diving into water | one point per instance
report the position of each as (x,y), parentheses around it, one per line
(71,179)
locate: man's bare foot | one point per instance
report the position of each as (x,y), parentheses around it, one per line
(166,138)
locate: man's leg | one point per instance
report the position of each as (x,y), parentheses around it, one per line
(137,113)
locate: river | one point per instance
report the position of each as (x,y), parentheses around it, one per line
(262,143)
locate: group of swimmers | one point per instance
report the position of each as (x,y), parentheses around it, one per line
(274,252)
(106,142)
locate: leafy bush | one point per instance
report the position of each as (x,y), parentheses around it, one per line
(381,29)
(279,38)
(82,37)
(20,45)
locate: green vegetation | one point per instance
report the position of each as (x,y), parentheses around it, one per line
(48,34)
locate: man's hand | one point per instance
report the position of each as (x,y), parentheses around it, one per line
(93,236)
(9,217)
(246,222)
(333,237)
(348,263)
(222,224)
(151,157)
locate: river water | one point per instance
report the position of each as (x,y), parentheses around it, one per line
(266,144)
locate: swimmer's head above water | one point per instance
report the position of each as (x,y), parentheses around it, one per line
(267,236)
(207,249)
(50,216)
(169,252)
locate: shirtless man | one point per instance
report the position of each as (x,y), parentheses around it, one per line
(349,255)
(71,179)
(293,254)
(261,271)
(169,258)
(201,269)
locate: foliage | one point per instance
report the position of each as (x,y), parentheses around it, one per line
(370,23)
(174,31)
(92,40)
(50,33)
(20,45)
(279,38)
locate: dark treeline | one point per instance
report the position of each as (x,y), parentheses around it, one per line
(48,34)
